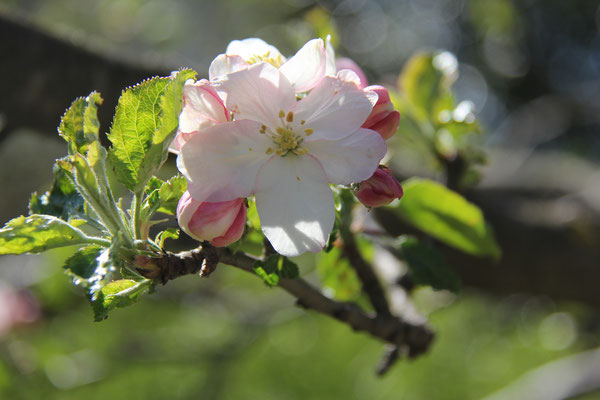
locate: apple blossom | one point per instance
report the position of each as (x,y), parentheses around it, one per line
(380,189)
(303,71)
(221,223)
(285,152)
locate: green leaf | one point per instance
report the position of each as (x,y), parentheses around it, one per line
(169,194)
(425,84)
(169,233)
(337,276)
(62,201)
(82,265)
(37,233)
(274,268)
(427,266)
(145,121)
(118,294)
(79,125)
(447,216)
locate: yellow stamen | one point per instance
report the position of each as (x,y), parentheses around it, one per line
(302,122)
(297,177)
(289,117)
(281,113)
(269,150)
(309,131)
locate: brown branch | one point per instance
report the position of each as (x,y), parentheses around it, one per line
(412,339)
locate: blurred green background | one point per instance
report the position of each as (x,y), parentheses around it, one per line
(531,69)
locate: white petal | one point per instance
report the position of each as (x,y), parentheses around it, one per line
(307,67)
(353,158)
(221,162)
(333,109)
(225,64)
(252,47)
(257,93)
(295,204)
(330,67)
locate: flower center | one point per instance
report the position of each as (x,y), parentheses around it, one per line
(275,61)
(285,138)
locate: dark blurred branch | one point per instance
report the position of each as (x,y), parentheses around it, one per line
(414,339)
(42,75)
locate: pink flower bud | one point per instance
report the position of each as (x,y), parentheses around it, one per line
(202,107)
(220,223)
(347,63)
(383,119)
(380,189)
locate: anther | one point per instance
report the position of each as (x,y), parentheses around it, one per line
(309,131)
(269,150)
(281,113)
(289,117)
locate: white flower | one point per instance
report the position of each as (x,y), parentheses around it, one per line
(285,152)
(303,71)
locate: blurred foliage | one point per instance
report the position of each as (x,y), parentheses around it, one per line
(229,338)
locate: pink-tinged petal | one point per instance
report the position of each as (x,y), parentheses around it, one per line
(235,231)
(387,126)
(347,63)
(225,64)
(251,48)
(202,107)
(307,67)
(221,162)
(257,93)
(333,109)
(353,158)
(295,204)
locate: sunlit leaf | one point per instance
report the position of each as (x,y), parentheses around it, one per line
(79,125)
(144,125)
(447,216)
(37,233)
(118,294)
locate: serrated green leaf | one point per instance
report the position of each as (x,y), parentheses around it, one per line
(144,125)
(427,266)
(79,125)
(447,216)
(62,201)
(169,194)
(82,265)
(37,233)
(118,294)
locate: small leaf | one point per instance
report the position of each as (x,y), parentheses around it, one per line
(79,125)
(82,265)
(169,194)
(145,121)
(118,294)
(427,266)
(447,216)
(62,201)
(169,233)
(274,268)
(37,233)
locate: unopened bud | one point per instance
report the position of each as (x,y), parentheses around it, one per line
(219,223)
(383,119)
(380,189)
(202,107)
